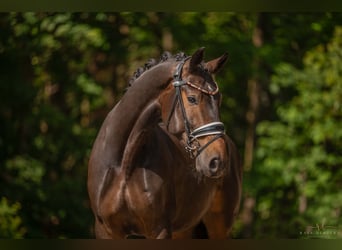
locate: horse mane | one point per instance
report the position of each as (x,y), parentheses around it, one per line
(153,62)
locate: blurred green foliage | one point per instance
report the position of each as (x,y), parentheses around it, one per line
(10,226)
(61,73)
(303,146)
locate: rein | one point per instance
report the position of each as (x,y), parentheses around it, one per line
(193,146)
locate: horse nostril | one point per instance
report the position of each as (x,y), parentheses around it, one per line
(214,165)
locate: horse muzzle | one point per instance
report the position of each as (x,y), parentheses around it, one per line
(212,160)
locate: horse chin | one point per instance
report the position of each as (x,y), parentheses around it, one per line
(213,176)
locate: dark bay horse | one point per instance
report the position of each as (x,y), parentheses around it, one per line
(162,162)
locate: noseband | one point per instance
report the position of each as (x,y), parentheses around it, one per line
(216,129)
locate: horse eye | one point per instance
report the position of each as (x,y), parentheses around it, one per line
(192,100)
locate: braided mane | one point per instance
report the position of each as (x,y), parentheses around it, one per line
(153,62)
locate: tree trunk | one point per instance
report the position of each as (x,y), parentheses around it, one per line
(254,93)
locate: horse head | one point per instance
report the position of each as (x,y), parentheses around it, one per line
(190,110)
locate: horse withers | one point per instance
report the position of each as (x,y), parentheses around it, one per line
(161,162)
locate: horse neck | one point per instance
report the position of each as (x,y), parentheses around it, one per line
(125,114)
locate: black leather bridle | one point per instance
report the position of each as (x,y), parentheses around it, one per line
(215,129)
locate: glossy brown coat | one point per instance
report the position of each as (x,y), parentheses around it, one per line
(141,181)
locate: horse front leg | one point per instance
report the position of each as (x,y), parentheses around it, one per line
(216,226)
(187,234)
(102,233)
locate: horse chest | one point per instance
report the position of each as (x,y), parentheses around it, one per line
(183,203)
(192,203)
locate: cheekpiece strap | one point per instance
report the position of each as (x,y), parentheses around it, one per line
(178,73)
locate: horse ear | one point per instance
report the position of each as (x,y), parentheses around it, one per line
(215,65)
(196,58)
